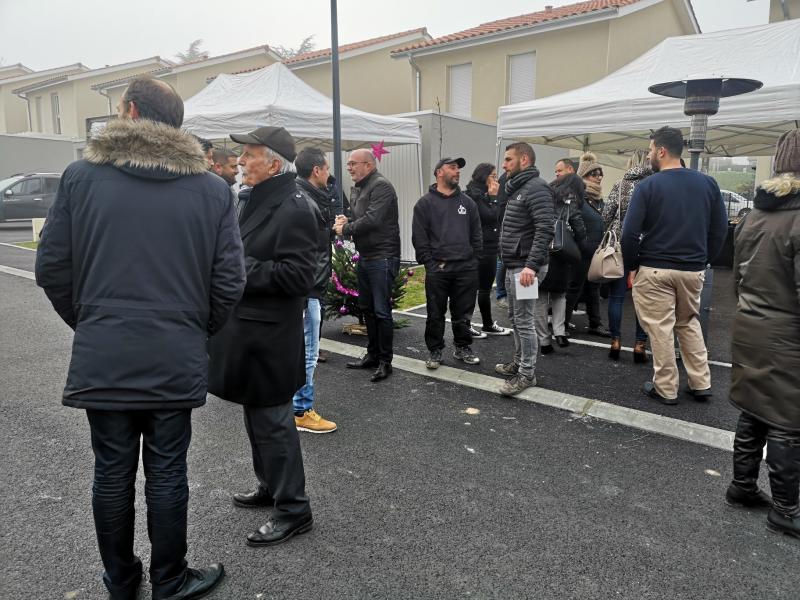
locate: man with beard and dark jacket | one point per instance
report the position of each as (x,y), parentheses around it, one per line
(258,358)
(375,228)
(676,224)
(312,181)
(765,380)
(525,237)
(141,256)
(446,233)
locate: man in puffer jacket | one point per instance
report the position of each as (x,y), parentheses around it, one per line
(525,237)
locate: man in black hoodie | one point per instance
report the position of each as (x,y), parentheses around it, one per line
(525,237)
(446,233)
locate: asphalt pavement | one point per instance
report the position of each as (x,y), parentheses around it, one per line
(428,490)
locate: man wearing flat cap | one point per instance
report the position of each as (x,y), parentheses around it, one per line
(447,238)
(257,360)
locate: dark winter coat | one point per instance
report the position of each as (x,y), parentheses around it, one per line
(141,256)
(446,231)
(569,191)
(765,380)
(527,228)
(322,207)
(592,213)
(258,359)
(375,223)
(488,210)
(620,197)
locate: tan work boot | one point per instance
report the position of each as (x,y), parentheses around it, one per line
(313,423)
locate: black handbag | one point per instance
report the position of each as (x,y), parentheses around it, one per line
(564,245)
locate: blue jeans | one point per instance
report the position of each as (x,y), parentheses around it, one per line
(522,313)
(500,280)
(616,298)
(303,399)
(375,282)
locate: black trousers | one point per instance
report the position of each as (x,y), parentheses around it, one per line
(115,441)
(376,278)
(783,460)
(459,287)
(580,288)
(487,271)
(277,459)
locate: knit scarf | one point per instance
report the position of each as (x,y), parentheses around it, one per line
(593,190)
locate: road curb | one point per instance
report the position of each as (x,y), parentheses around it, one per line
(585,407)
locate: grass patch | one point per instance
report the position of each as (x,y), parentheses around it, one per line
(415,290)
(30,245)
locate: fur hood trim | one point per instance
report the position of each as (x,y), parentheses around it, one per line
(781,185)
(145,144)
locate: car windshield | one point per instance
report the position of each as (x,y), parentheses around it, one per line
(4,183)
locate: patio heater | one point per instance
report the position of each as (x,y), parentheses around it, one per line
(701,99)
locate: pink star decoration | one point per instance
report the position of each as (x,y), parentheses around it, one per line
(378,150)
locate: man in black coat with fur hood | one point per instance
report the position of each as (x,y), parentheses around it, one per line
(141,256)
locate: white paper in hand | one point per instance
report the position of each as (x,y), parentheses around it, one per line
(526,293)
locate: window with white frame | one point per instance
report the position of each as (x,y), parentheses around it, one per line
(460,90)
(56,113)
(521,77)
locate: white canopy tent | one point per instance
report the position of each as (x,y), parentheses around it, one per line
(276,96)
(617,114)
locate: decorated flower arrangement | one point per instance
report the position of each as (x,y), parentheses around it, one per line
(341,295)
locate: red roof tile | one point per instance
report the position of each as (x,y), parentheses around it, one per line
(314,54)
(518,22)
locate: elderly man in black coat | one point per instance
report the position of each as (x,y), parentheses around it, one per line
(141,256)
(258,359)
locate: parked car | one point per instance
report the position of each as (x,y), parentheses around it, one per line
(27,196)
(734,203)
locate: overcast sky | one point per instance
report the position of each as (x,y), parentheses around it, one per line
(50,33)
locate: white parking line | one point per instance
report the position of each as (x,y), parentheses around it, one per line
(14,245)
(17,272)
(408,313)
(639,419)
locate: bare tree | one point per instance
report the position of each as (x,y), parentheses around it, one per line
(193,53)
(307,45)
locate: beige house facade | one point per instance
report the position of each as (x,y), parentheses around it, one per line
(61,105)
(369,79)
(190,78)
(473,72)
(14,116)
(780,10)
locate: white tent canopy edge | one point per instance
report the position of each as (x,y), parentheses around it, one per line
(616,115)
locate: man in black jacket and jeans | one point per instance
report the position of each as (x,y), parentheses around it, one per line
(525,237)
(375,229)
(141,256)
(446,233)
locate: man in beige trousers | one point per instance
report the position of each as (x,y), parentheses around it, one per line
(676,223)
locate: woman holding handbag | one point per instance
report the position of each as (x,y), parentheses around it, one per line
(638,168)
(564,254)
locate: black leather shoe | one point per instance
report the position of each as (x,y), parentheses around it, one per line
(699,395)
(199,582)
(741,498)
(786,524)
(599,331)
(382,372)
(650,390)
(562,341)
(258,498)
(547,349)
(365,362)
(277,531)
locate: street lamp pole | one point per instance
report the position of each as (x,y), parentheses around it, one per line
(337,117)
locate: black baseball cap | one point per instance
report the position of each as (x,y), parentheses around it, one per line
(274,138)
(448,160)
